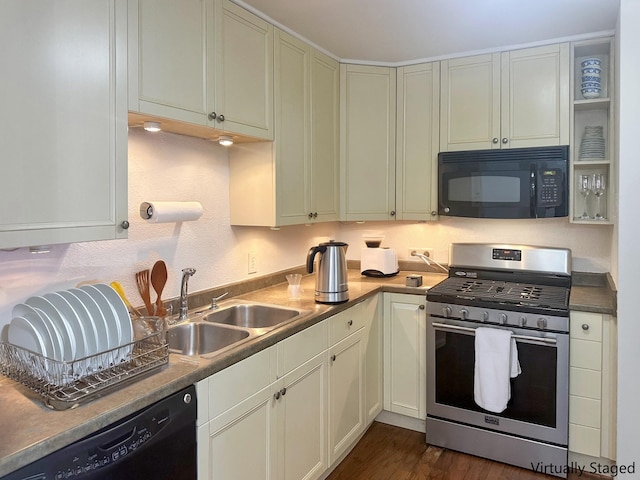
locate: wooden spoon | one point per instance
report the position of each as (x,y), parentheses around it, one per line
(159,280)
(142,279)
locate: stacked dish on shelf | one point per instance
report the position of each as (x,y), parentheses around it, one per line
(75,332)
(592,144)
(591,70)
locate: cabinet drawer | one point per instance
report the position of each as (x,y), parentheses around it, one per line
(584,411)
(343,324)
(585,383)
(585,440)
(586,326)
(585,354)
(301,347)
(234,384)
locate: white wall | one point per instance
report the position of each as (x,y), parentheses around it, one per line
(628,236)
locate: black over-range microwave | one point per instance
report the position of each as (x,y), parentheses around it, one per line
(509,183)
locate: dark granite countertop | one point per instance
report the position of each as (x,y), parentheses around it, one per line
(31,430)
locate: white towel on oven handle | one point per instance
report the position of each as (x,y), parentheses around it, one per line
(496,362)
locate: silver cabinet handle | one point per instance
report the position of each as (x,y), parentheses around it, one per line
(433,213)
(504,140)
(124,225)
(212,116)
(220,118)
(392,213)
(276,395)
(350,323)
(333,358)
(495,140)
(585,326)
(283,391)
(421,307)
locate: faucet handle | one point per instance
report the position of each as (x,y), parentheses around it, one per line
(188,271)
(214,300)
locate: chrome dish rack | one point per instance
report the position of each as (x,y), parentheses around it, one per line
(64,385)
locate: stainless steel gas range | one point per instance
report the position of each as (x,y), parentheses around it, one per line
(524,291)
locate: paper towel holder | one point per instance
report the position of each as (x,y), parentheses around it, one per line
(146,210)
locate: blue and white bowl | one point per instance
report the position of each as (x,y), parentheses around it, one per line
(590,92)
(591,78)
(591,62)
(591,71)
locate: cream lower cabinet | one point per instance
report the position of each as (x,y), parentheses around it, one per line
(592,385)
(511,99)
(64,68)
(204,62)
(346,381)
(291,411)
(405,355)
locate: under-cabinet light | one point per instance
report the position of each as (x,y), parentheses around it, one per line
(225,140)
(152,126)
(40,249)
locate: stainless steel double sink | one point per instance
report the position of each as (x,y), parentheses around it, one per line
(211,331)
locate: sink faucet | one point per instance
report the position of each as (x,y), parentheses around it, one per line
(186,273)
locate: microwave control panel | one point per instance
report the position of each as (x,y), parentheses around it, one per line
(550,182)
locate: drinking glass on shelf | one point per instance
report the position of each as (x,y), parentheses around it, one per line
(584,188)
(598,186)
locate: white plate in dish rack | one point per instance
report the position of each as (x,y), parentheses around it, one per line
(87,319)
(46,310)
(104,340)
(22,333)
(72,317)
(122,314)
(31,314)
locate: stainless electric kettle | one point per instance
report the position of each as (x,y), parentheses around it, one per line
(331,274)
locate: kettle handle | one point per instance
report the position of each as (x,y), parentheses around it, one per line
(312,255)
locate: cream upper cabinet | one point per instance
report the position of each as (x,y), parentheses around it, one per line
(506,100)
(205,62)
(295,179)
(405,355)
(417,141)
(64,122)
(367,142)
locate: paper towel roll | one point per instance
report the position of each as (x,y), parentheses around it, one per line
(164,212)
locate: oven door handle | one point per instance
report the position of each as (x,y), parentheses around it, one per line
(472,331)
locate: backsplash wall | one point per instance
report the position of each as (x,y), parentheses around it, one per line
(167,167)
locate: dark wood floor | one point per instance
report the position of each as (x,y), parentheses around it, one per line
(386,452)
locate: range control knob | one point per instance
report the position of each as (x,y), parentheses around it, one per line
(542,322)
(464,313)
(523,320)
(446,311)
(485,316)
(502,318)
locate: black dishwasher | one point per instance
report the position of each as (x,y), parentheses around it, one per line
(157,442)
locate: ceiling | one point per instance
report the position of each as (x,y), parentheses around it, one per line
(402,31)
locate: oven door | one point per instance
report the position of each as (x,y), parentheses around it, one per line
(538,407)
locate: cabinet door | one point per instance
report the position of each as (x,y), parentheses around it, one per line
(243,72)
(292,129)
(367,142)
(64,122)
(168,46)
(417,141)
(242,441)
(372,348)
(470,103)
(535,97)
(302,421)
(325,148)
(405,354)
(346,412)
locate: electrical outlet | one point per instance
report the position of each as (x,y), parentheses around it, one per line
(252,266)
(426,251)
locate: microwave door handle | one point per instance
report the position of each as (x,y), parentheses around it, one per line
(533,201)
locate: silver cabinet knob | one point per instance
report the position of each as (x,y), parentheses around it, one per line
(212,116)
(124,225)
(350,323)
(220,118)
(495,140)
(333,358)
(310,216)
(392,213)
(433,213)
(421,307)
(505,140)
(276,395)
(585,326)
(283,391)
